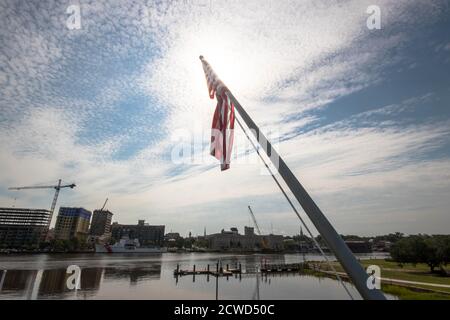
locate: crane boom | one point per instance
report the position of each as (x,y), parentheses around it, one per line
(55,198)
(43,187)
(263,240)
(57,188)
(254,220)
(104,204)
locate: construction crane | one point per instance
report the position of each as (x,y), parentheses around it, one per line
(263,241)
(55,198)
(104,204)
(254,220)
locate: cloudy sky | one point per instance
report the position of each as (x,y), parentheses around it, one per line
(361,116)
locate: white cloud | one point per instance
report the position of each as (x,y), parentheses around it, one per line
(282,59)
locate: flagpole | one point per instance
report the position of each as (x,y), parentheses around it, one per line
(333,240)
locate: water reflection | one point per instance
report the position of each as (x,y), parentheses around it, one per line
(257,280)
(19,281)
(152,277)
(54,282)
(134,274)
(32,284)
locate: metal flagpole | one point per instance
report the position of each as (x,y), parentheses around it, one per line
(333,240)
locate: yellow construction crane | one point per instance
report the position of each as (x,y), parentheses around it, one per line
(55,198)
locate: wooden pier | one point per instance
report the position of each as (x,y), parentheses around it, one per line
(219,271)
(292,267)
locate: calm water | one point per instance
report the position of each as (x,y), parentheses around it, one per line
(151,277)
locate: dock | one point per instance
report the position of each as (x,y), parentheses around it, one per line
(220,271)
(291,267)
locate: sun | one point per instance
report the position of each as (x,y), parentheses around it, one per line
(234,68)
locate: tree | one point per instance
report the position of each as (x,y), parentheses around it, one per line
(431,250)
(74,244)
(187,243)
(180,242)
(320,240)
(437,251)
(58,245)
(304,238)
(352,237)
(201,243)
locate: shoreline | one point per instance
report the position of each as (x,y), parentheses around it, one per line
(412,283)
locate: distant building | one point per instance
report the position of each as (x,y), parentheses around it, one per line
(382,245)
(172,236)
(359,246)
(23,227)
(249,231)
(50,235)
(145,233)
(101,223)
(232,240)
(72,223)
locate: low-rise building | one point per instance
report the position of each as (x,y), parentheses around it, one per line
(145,233)
(172,236)
(249,241)
(382,246)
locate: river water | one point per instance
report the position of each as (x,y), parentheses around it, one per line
(150,276)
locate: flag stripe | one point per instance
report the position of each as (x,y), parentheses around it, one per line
(222,129)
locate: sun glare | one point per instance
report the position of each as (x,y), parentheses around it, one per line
(234,67)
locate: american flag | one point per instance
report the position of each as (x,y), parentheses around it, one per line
(223,120)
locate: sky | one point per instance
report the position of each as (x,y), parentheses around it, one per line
(119,106)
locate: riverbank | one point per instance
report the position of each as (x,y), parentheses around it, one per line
(408,281)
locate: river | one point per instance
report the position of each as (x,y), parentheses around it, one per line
(150,276)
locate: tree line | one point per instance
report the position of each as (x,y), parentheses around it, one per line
(433,250)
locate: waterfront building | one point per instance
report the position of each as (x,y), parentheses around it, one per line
(145,233)
(101,223)
(382,246)
(172,236)
(249,241)
(72,223)
(20,227)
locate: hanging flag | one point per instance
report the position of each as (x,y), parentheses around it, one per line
(222,130)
